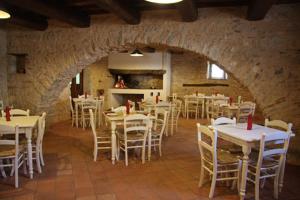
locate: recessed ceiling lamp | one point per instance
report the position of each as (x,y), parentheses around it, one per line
(164,1)
(136,53)
(4,13)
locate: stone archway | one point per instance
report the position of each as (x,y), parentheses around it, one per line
(244,48)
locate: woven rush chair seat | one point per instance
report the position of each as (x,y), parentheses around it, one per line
(9,150)
(132,136)
(224,157)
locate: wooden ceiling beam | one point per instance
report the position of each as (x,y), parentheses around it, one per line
(188,10)
(53,11)
(257,9)
(128,14)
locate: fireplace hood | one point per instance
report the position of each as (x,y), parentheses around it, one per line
(137,72)
(151,63)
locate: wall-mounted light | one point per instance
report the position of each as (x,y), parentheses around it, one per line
(136,53)
(164,1)
(4,14)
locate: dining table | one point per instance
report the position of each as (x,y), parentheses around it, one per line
(202,99)
(117,119)
(78,101)
(247,139)
(26,126)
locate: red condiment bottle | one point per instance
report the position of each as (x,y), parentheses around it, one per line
(249,122)
(127,108)
(7,113)
(230,100)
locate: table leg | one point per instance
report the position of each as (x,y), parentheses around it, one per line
(246,152)
(76,113)
(149,141)
(113,142)
(172,118)
(202,111)
(29,151)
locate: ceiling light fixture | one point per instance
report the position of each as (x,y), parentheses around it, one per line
(164,1)
(136,53)
(4,13)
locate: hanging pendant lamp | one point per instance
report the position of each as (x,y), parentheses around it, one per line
(4,14)
(164,1)
(136,53)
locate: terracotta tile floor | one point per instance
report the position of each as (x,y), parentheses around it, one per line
(70,172)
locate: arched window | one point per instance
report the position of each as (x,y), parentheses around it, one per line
(215,72)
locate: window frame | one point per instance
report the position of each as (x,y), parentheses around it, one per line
(209,72)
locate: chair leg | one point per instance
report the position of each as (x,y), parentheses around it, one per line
(41,155)
(2,170)
(144,151)
(16,166)
(37,159)
(160,153)
(281,174)
(201,176)
(12,169)
(213,185)
(126,156)
(257,188)
(95,152)
(276,183)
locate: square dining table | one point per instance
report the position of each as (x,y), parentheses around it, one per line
(26,125)
(247,139)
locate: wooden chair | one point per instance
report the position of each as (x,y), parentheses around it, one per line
(85,115)
(213,109)
(281,125)
(101,141)
(174,113)
(159,127)
(11,150)
(267,164)
(192,106)
(73,114)
(136,127)
(244,110)
(216,162)
(17,112)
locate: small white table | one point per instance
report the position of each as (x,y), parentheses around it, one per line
(77,102)
(26,125)
(238,134)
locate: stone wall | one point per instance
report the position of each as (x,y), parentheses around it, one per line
(190,68)
(262,55)
(3,67)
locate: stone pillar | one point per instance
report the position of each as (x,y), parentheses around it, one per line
(3,67)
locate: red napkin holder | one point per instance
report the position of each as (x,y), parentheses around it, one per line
(127,108)
(7,113)
(157,99)
(249,122)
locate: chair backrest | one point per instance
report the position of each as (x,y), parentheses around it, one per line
(192,100)
(41,128)
(177,108)
(17,112)
(276,152)
(160,122)
(207,141)
(279,124)
(71,104)
(89,104)
(11,130)
(245,109)
(93,125)
(137,123)
(223,120)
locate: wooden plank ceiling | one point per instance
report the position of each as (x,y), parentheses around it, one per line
(34,14)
